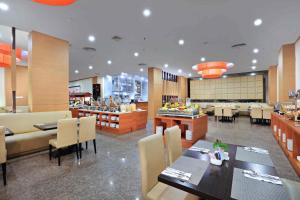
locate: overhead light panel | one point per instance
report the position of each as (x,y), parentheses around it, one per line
(181,42)
(256,51)
(4,6)
(258,22)
(92,38)
(147,13)
(254,61)
(136,54)
(109,62)
(90,67)
(166,65)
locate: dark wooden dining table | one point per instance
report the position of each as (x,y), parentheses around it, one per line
(216,182)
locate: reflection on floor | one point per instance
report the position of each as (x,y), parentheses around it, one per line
(113,173)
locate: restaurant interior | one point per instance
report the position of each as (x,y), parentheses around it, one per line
(150,100)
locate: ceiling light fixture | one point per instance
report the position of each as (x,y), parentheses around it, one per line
(254,61)
(166,65)
(92,38)
(109,62)
(141,70)
(76,71)
(203,59)
(190,74)
(179,71)
(255,50)
(252,74)
(211,69)
(90,67)
(181,42)
(224,76)
(136,54)
(258,22)
(4,6)
(147,13)
(253,67)
(55,2)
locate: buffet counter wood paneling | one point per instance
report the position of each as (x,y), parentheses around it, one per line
(288,137)
(142,105)
(198,126)
(117,123)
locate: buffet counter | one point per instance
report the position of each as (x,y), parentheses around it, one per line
(117,122)
(288,137)
(197,125)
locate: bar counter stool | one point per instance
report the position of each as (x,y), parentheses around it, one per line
(173,141)
(66,136)
(3,153)
(87,132)
(152,159)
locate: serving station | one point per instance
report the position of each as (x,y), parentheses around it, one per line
(117,122)
(287,134)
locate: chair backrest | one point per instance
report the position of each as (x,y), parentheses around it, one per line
(267,113)
(256,113)
(87,128)
(218,111)
(227,112)
(174,146)
(2,145)
(67,132)
(152,161)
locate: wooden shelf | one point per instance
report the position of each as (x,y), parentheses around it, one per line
(279,122)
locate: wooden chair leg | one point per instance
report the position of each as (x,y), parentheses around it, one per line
(95,149)
(50,152)
(77,155)
(58,156)
(86,145)
(4,172)
(80,149)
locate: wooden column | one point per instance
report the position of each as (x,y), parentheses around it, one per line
(48,68)
(297,63)
(272,85)
(286,72)
(155,90)
(182,87)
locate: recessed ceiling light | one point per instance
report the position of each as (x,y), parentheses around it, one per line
(179,71)
(252,74)
(142,78)
(255,50)
(203,59)
(109,62)
(224,76)
(253,67)
(4,6)
(141,70)
(147,13)
(190,74)
(92,38)
(90,67)
(166,65)
(254,61)
(136,54)
(258,22)
(76,71)
(181,42)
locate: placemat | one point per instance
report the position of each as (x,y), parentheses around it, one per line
(204,144)
(248,156)
(191,165)
(244,188)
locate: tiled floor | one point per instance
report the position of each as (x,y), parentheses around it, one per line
(113,173)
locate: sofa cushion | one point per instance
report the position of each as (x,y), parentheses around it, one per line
(21,144)
(23,122)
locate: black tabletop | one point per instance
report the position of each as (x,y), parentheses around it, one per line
(217,180)
(8,132)
(46,126)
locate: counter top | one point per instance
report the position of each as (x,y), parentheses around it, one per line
(107,112)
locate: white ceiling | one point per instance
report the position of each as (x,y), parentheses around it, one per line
(219,23)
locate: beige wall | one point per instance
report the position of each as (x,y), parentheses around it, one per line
(48,67)
(272,85)
(22,86)
(155,91)
(239,87)
(297,62)
(286,72)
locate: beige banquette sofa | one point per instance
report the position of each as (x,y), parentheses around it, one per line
(26,138)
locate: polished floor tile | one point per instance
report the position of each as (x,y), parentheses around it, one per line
(113,173)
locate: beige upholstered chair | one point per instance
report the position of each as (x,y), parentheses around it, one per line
(66,136)
(87,131)
(293,188)
(152,160)
(267,114)
(256,113)
(3,153)
(218,112)
(173,139)
(227,113)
